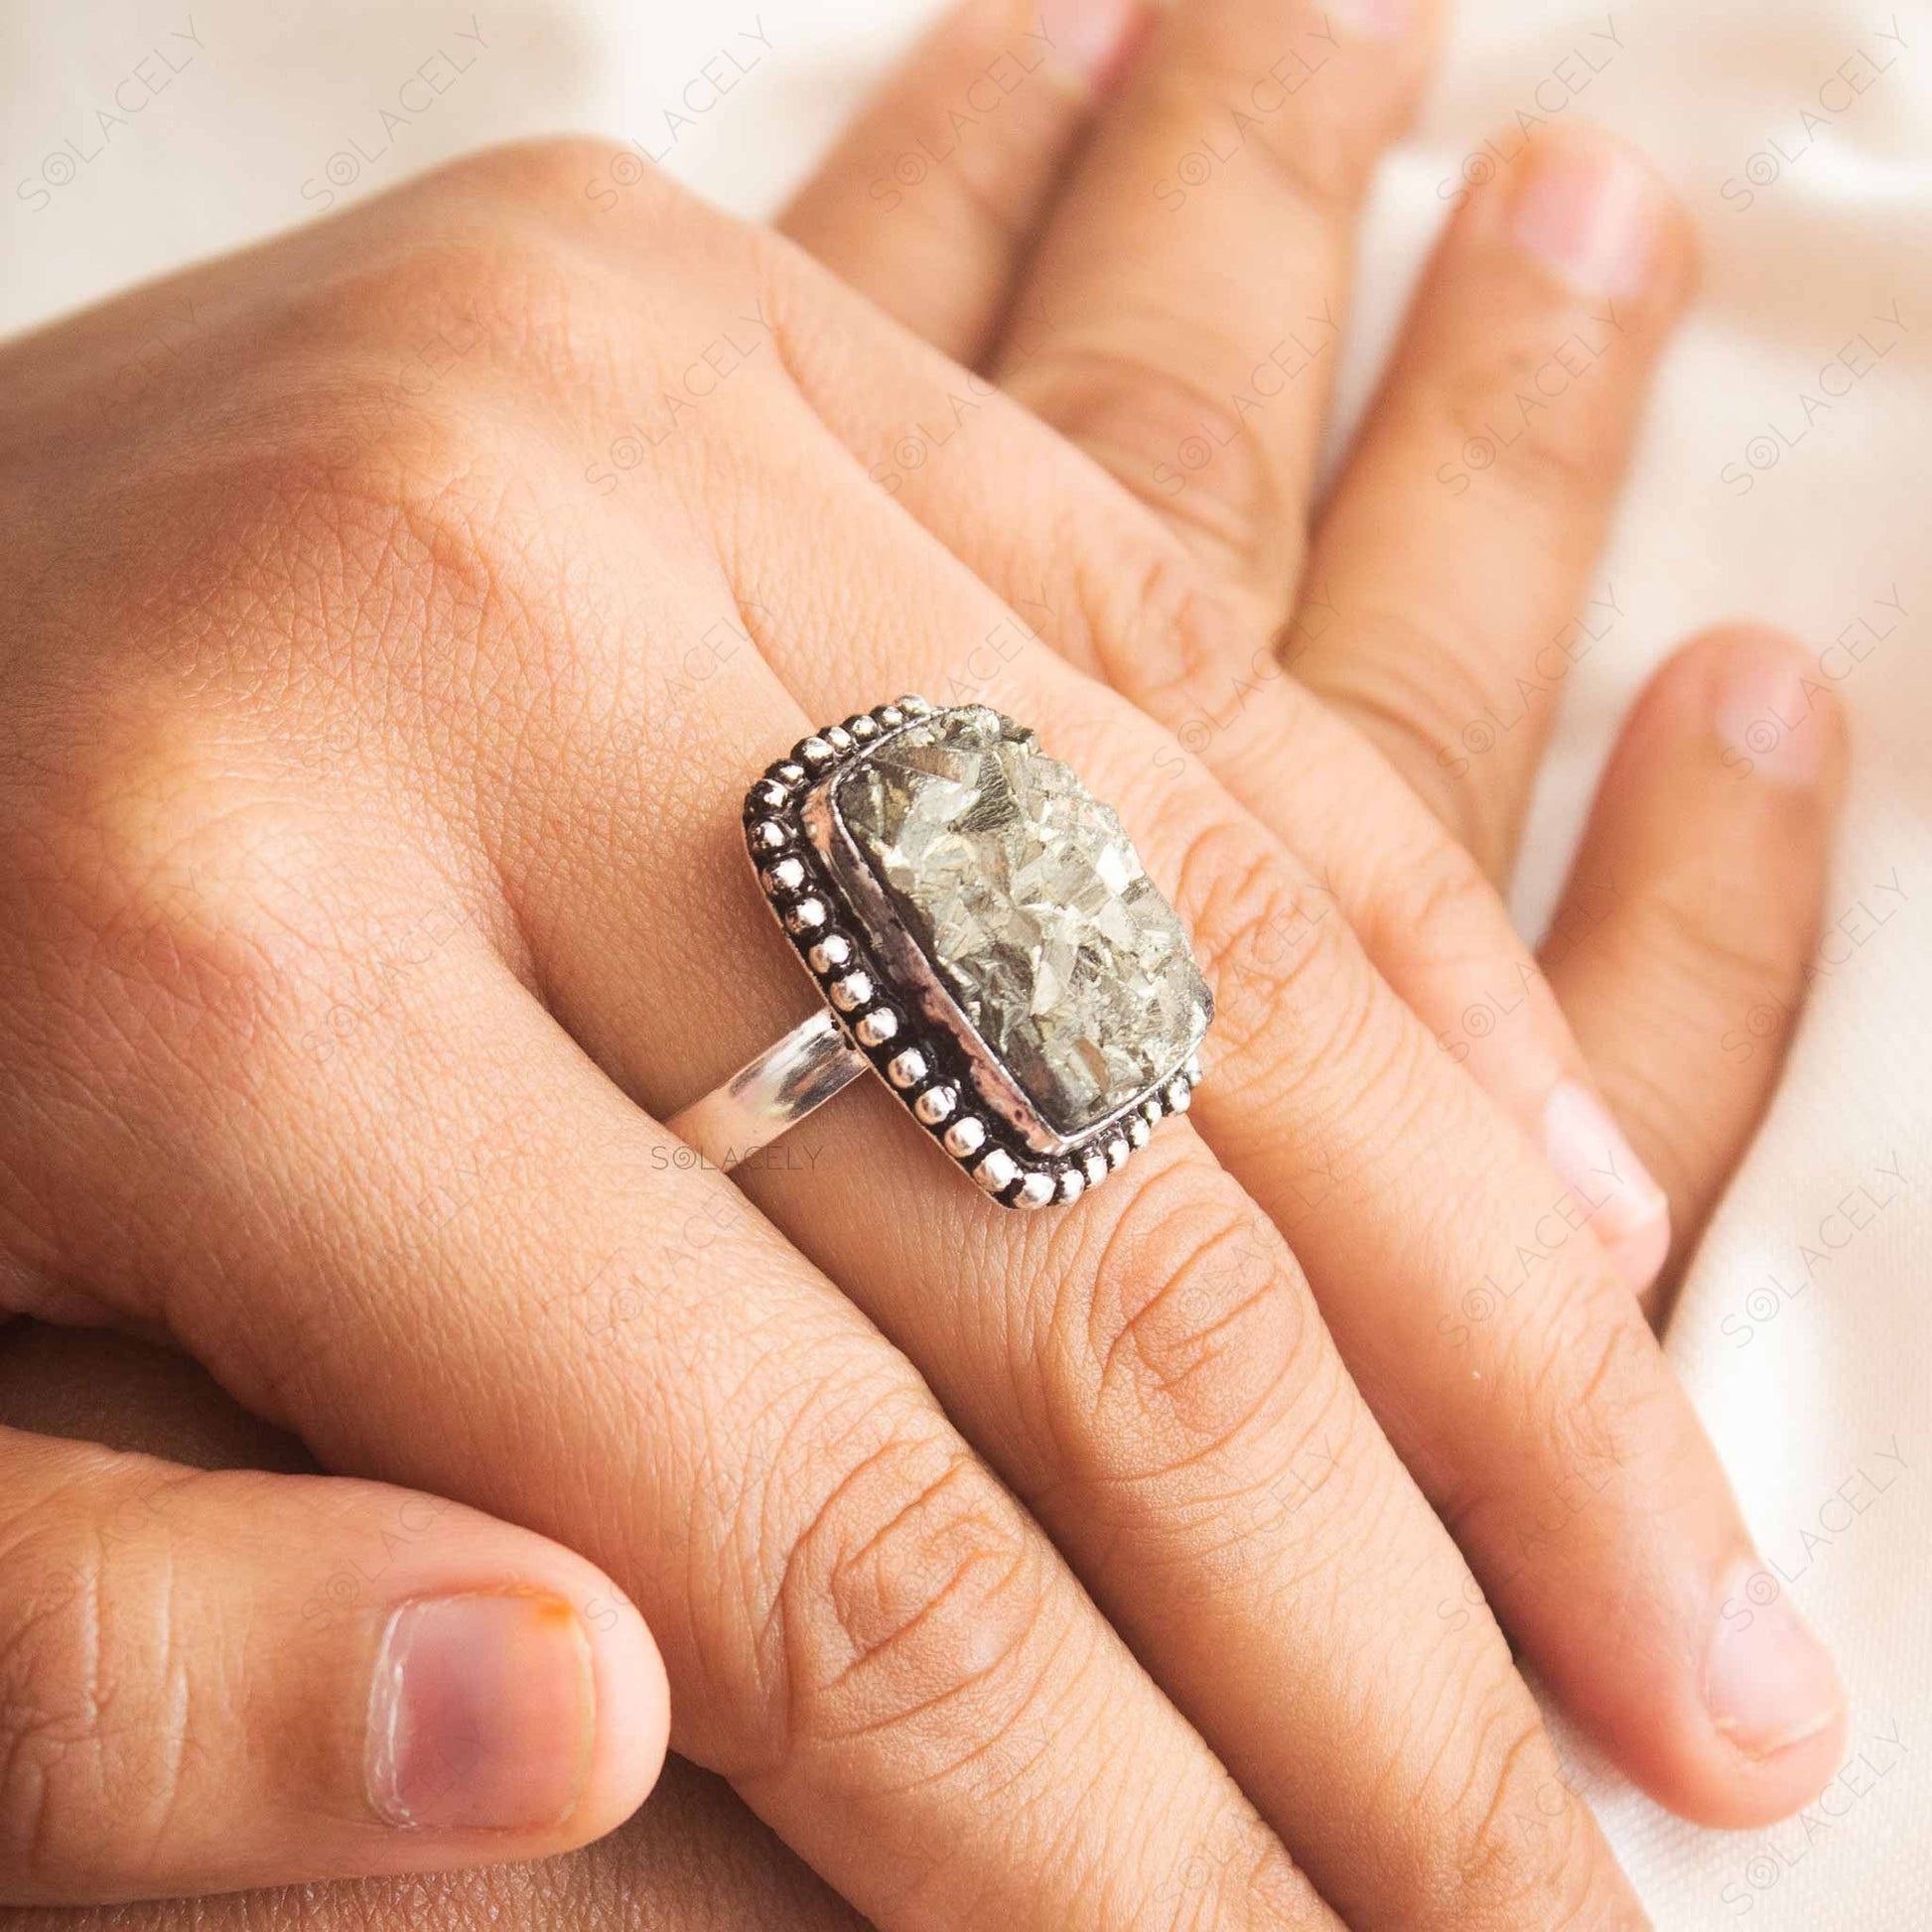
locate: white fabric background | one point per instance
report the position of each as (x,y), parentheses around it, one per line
(1769,482)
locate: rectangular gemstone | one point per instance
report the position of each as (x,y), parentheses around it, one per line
(1031,906)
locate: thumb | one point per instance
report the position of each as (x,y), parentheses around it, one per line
(213,1679)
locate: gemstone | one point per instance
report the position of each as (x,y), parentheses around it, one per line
(1032,908)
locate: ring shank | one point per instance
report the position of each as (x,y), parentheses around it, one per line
(774,1092)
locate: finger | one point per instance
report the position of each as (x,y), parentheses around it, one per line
(932,199)
(1683,943)
(219,1680)
(1454,559)
(692,1859)
(1509,1365)
(1147,1369)
(1119,598)
(1196,269)
(868,1635)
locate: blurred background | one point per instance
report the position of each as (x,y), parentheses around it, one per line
(1785,474)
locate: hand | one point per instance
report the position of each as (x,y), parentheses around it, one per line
(692,1860)
(308,556)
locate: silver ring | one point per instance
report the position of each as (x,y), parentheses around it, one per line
(984,937)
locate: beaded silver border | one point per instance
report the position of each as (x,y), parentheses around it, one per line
(895,1011)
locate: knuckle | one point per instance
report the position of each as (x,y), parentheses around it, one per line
(1186,1328)
(1518,1840)
(911,1599)
(1422,696)
(1276,950)
(86,1643)
(1171,440)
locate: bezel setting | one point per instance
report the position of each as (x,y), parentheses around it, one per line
(891,1004)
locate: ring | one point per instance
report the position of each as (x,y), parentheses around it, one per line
(984,936)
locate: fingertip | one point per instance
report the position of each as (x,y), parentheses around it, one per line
(1590,209)
(1766,700)
(633,1715)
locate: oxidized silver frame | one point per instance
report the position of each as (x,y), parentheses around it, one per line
(891,1006)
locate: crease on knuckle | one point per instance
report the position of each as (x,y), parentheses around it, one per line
(1137,416)
(1184,1329)
(1517,1838)
(1417,694)
(1300,1022)
(912,1601)
(85,1717)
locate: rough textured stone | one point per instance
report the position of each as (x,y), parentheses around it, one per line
(1030,901)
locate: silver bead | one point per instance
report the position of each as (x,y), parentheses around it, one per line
(770,794)
(1152,1109)
(1138,1132)
(877,1027)
(965,1137)
(998,1170)
(1116,1152)
(914,706)
(907,1069)
(862,726)
(815,750)
(852,992)
(831,952)
(1095,1165)
(791,772)
(936,1104)
(1192,1069)
(1179,1095)
(840,739)
(807,915)
(1036,1190)
(786,877)
(891,716)
(1073,1184)
(767,835)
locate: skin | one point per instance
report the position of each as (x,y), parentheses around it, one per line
(341,1005)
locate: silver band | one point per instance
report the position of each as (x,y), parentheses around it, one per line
(773,1092)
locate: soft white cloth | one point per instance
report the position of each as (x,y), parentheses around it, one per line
(1772,480)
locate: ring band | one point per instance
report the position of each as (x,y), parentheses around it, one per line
(984,937)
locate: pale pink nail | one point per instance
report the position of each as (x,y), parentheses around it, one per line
(1768,1683)
(1764,715)
(482,1714)
(1628,1213)
(1090,39)
(1590,210)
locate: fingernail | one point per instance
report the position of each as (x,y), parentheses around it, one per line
(481,1713)
(1628,1213)
(1768,1683)
(1091,40)
(1376,20)
(1590,210)
(1763,715)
